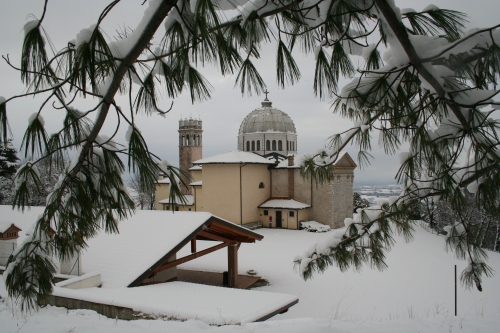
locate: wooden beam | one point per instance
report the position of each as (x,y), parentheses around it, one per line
(232,264)
(215,237)
(193,245)
(216,225)
(174,263)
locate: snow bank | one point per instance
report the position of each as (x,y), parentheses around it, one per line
(313,226)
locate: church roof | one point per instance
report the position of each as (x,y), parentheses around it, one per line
(344,160)
(284,203)
(189,201)
(267,119)
(234,157)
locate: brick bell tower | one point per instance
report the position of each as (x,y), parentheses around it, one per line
(190,146)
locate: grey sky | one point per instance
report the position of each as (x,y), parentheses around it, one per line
(221,115)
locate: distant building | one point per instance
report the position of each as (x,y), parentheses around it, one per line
(260,182)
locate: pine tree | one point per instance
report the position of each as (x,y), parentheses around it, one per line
(8,159)
(8,168)
(359,202)
(433,90)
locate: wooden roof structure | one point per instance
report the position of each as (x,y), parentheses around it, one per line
(9,231)
(214,229)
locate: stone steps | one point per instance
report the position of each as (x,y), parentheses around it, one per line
(253,225)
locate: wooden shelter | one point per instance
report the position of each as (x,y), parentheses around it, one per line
(9,232)
(214,229)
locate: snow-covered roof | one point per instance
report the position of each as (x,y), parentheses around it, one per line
(267,119)
(195,168)
(144,239)
(299,158)
(183,300)
(164,181)
(284,203)
(189,201)
(198,183)
(234,157)
(4,225)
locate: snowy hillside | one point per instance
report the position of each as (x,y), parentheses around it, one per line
(414,295)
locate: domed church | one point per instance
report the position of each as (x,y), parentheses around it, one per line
(259,184)
(268,132)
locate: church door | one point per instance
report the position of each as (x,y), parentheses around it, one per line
(278,219)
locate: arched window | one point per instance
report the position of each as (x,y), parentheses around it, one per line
(261,185)
(280,145)
(268,145)
(182,140)
(274,144)
(258,145)
(248,145)
(287,145)
(187,140)
(253,145)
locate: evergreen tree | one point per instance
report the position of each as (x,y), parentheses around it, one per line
(433,90)
(359,202)
(8,168)
(8,159)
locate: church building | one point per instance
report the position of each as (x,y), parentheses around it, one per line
(260,182)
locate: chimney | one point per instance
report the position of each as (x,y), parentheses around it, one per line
(291,178)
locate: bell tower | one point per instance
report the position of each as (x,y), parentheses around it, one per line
(190,146)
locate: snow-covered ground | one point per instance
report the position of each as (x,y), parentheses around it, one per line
(416,294)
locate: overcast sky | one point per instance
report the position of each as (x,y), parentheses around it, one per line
(223,114)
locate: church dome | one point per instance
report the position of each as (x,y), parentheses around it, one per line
(267,119)
(268,132)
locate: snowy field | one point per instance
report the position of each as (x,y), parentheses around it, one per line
(416,294)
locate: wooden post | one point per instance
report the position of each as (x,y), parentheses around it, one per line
(455,290)
(193,245)
(232,264)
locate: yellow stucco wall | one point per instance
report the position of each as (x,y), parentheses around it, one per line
(162,192)
(221,194)
(196,175)
(221,190)
(253,196)
(198,198)
(181,208)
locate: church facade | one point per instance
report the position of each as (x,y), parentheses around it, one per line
(260,183)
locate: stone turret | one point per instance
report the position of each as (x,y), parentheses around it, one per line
(190,146)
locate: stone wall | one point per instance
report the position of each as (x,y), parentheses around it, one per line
(279,183)
(342,198)
(322,203)
(110,311)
